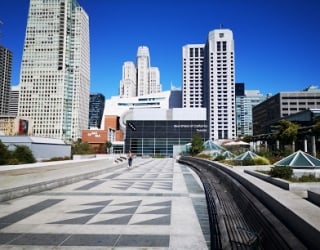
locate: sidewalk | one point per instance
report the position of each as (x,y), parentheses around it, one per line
(20,180)
(158,204)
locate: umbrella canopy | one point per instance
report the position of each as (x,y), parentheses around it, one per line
(237,143)
(246,155)
(299,159)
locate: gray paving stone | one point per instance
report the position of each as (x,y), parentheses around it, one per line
(143,241)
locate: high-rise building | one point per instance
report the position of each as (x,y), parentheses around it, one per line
(244,105)
(5,78)
(128,84)
(267,114)
(192,75)
(140,79)
(96,109)
(55,70)
(209,80)
(14,100)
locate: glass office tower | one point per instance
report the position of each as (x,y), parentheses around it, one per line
(55,70)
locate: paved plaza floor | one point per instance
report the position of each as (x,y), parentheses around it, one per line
(158,204)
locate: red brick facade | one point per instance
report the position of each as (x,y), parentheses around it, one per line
(97,137)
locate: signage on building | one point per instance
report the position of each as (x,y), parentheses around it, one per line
(23,127)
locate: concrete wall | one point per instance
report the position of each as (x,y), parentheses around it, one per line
(42,148)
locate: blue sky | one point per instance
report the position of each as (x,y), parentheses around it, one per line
(277,42)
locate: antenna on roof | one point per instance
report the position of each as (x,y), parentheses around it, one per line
(221,26)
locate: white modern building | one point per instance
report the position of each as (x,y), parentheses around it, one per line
(209,81)
(55,70)
(122,107)
(140,79)
(192,75)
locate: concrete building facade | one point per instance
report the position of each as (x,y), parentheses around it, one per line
(14,100)
(42,148)
(269,112)
(192,75)
(209,81)
(55,70)
(141,78)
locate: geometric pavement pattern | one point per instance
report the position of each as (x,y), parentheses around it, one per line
(145,178)
(153,214)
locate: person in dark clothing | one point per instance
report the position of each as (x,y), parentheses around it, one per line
(130,159)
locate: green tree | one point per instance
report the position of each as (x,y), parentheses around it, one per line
(196,144)
(287,132)
(23,154)
(107,146)
(82,148)
(316,126)
(4,154)
(248,138)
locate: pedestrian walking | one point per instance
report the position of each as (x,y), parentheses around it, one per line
(129,159)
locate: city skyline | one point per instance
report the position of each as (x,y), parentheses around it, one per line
(276,42)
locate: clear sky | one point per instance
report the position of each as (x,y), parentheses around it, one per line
(277,42)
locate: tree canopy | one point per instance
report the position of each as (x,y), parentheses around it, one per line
(287,132)
(196,144)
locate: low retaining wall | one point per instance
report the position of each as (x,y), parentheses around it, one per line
(300,188)
(314,196)
(308,232)
(12,193)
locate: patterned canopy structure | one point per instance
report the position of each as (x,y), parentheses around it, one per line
(228,155)
(212,148)
(299,159)
(211,145)
(246,155)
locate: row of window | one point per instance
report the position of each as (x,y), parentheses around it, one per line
(301,103)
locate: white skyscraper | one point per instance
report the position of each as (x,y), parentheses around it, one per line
(143,65)
(209,81)
(220,84)
(154,80)
(192,75)
(140,77)
(55,70)
(128,83)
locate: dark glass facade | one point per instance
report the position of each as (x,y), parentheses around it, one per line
(5,79)
(158,137)
(96,108)
(239,88)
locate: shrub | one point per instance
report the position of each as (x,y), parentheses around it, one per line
(82,148)
(23,154)
(220,158)
(283,172)
(13,161)
(261,161)
(4,154)
(204,156)
(248,162)
(308,178)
